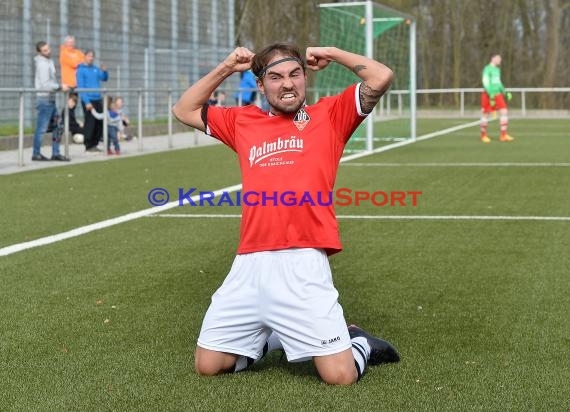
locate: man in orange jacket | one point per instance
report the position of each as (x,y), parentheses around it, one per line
(69,59)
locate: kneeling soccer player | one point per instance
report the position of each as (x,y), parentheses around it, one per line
(279,293)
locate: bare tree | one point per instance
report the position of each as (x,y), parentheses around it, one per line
(455,38)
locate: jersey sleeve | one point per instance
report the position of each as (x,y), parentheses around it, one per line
(45,81)
(345,112)
(220,123)
(82,84)
(486,80)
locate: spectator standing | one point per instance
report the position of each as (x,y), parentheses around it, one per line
(217,98)
(213,100)
(220,98)
(69,59)
(90,76)
(247,87)
(45,79)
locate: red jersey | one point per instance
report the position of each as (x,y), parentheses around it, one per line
(284,160)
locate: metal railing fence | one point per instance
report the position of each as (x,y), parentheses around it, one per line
(393,104)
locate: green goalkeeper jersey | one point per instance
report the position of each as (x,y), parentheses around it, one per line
(492,80)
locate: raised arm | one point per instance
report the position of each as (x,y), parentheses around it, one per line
(376,77)
(188,109)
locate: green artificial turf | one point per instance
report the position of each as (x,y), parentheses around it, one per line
(478,309)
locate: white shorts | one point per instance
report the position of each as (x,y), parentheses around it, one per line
(290,292)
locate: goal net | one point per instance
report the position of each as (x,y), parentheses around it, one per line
(373,30)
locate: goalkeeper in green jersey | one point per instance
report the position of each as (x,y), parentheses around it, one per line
(493,98)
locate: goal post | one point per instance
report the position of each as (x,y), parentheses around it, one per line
(383,34)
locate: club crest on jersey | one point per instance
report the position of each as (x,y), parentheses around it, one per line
(301,119)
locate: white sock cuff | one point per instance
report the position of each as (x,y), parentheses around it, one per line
(242,362)
(359,361)
(363,343)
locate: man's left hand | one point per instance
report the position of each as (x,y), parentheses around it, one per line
(317,58)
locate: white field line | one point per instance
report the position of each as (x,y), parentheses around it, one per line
(459,164)
(410,141)
(478,217)
(198,215)
(8,250)
(387,217)
(18,247)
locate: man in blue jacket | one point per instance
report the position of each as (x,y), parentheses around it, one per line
(90,76)
(247,89)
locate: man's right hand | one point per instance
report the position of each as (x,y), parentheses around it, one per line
(239,60)
(188,109)
(89,106)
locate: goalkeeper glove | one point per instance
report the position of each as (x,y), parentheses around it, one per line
(509,96)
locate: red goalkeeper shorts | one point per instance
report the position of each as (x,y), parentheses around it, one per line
(486,105)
